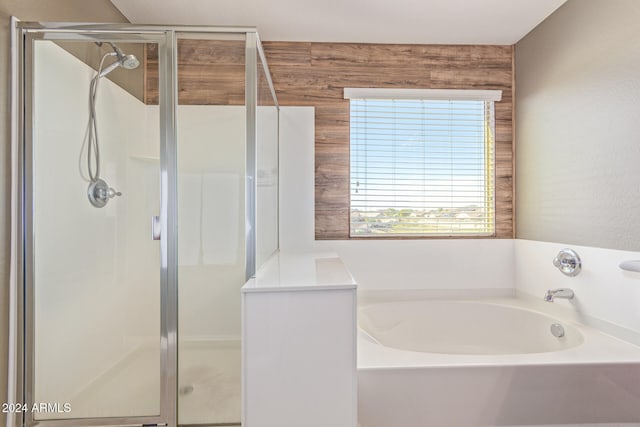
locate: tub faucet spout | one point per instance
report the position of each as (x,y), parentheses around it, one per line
(551,294)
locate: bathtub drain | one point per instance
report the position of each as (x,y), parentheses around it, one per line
(557,330)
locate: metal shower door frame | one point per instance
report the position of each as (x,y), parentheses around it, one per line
(25,35)
(166,36)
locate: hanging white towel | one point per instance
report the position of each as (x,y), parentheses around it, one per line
(189,218)
(222,213)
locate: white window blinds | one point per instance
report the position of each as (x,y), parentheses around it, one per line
(422,167)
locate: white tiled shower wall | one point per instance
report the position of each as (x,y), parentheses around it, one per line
(603,291)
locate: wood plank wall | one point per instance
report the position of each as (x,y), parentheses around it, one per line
(210,72)
(315,74)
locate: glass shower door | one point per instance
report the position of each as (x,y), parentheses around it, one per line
(99,339)
(211,118)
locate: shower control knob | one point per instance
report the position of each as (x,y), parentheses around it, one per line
(111,193)
(99,193)
(568,262)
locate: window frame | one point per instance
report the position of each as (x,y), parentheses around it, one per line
(489,97)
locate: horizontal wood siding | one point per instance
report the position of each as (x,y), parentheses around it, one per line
(210,72)
(315,74)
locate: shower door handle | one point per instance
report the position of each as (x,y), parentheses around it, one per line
(156,227)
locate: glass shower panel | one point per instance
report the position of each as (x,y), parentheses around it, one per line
(267,168)
(96,270)
(211,119)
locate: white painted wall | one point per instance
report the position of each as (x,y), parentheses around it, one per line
(379,264)
(577,98)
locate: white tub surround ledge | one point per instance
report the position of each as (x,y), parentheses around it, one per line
(301,272)
(299,343)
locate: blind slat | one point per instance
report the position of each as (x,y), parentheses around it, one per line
(421,167)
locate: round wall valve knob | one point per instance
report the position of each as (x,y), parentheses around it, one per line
(99,193)
(568,262)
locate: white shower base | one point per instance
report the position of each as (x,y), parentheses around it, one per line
(213,370)
(209,385)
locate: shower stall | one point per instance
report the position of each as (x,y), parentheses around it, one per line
(147,194)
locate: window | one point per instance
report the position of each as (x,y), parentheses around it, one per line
(422,162)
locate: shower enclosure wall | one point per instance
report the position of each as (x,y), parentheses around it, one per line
(129,310)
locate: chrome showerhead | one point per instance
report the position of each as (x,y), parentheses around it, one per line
(128,62)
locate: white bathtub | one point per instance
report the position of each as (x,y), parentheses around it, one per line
(464,327)
(489,362)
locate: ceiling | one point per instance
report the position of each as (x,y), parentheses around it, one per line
(363,21)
